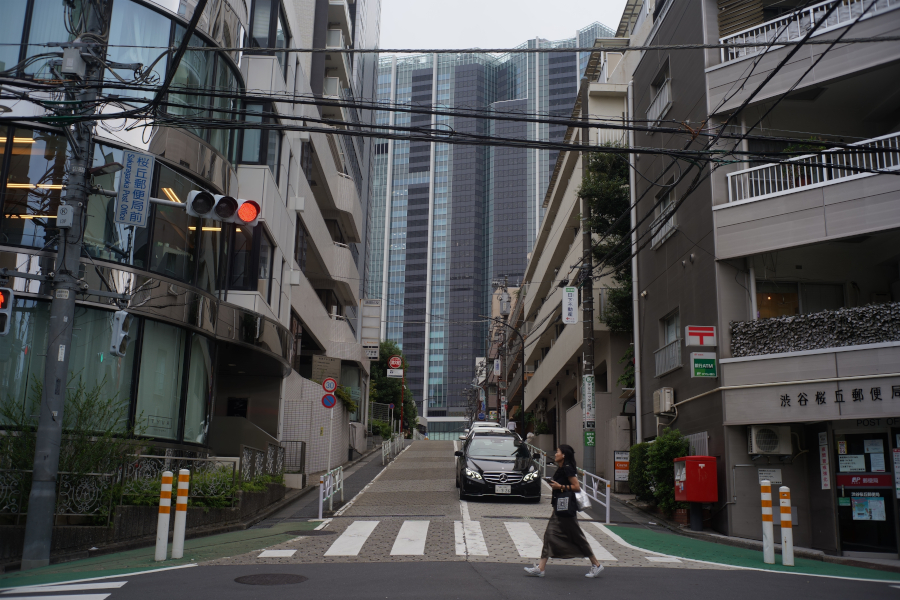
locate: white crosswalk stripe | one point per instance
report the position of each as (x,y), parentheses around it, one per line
(66,587)
(527,542)
(352,540)
(470,539)
(600,552)
(411,539)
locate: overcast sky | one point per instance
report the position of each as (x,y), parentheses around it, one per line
(488,23)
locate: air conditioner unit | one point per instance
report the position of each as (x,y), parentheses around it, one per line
(663,401)
(770,439)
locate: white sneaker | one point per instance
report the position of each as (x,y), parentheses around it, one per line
(594,572)
(534,571)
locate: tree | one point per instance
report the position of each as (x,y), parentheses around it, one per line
(386,390)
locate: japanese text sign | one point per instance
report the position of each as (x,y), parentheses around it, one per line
(133,200)
(570,305)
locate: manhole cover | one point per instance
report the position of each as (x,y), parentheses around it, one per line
(270,579)
(309,532)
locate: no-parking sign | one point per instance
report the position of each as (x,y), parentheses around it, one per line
(328,400)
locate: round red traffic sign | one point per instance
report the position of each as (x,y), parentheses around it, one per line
(396,362)
(329,385)
(328,400)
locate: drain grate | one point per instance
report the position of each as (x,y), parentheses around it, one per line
(309,532)
(270,579)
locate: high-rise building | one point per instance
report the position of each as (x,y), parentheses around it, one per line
(459,217)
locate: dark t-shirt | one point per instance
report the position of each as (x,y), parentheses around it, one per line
(562,476)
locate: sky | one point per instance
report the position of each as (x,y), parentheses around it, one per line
(422,24)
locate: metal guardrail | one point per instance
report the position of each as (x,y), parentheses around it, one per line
(795,25)
(542,461)
(391,448)
(596,488)
(767,181)
(668,358)
(330,484)
(77,494)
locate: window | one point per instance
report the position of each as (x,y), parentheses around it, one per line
(12,26)
(199,390)
(296,339)
(261,147)
(661,96)
(252,261)
(663,225)
(269,29)
(670,328)
(300,244)
(265,263)
(306,164)
(159,385)
(789,298)
(48,26)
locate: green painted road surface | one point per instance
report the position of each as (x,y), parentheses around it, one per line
(135,561)
(686,547)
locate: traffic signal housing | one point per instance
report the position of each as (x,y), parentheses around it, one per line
(120,333)
(7,299)
(222,208)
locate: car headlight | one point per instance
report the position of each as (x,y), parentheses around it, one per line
(473,474)
(530,477)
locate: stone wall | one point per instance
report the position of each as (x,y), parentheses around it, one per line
(871,324)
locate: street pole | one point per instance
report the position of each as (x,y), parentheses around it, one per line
(42,498)
(402,398)
(330,438)
(587,300)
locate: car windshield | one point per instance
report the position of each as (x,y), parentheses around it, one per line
(493,446)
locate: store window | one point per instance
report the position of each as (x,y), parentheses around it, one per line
(199,392)
(158,407)
(35,184)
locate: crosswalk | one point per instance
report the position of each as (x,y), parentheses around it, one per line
(469,539)
(40,592)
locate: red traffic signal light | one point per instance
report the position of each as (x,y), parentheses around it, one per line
(7,299)
(248,212)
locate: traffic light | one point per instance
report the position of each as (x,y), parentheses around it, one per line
(121,324)
(7,299)
(222,208)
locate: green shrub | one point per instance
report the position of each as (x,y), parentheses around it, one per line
(661,467)
(638,479)
(381,428)
(541,428)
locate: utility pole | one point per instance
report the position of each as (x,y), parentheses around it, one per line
(504,314)
(65,285)
(587,302)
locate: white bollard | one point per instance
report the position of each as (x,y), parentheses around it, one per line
(321,492)
(787,531)
(162,524)
(184,480)
(768,530)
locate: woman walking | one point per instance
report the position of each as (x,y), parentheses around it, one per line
(563,537)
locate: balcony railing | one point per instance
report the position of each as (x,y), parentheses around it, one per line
(819,169)
(668,358)
(870,324)
(660,104)
(795,25)
(661,227)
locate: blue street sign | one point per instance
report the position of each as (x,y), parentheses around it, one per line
(391,406)
(328,400)
(481,416)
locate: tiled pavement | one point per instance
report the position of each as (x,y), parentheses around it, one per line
(411,512)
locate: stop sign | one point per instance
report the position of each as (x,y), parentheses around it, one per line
(396,362)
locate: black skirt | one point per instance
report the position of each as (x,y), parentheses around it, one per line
(564,539)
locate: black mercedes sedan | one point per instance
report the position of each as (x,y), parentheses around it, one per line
(497,463)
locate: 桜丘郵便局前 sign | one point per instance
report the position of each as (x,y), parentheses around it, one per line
(133,198)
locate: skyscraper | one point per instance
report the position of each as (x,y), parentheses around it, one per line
(459,217)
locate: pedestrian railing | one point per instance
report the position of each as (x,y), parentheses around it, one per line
(385,451)
(596,488)
(542,461)
(330,484)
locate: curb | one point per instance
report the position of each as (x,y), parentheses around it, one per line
(748,544)
(147,541)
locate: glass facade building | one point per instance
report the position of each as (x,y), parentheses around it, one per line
(446,221)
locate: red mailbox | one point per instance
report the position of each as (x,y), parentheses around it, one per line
(695,479)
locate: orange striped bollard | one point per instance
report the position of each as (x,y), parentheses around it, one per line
(768,530)
(184,481)
(787,531)
(162,525)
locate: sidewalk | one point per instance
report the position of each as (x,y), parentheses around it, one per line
(141,560)
(741,552)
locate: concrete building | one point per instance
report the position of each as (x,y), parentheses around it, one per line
(795,265)
(459,217)
(229,319)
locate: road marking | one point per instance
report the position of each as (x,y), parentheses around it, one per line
(469,539)
(600,553)
(526,540)
(464,510)
(411,539)
(118,576)
(74,587)
(75,597)
(351,541)
(277,554)
(665,559)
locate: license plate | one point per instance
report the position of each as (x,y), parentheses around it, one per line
(503,489)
